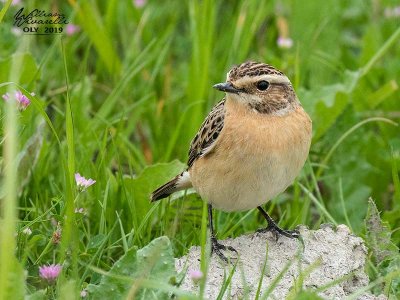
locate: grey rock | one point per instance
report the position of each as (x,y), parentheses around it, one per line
(326,255)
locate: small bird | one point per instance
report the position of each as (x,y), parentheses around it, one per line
(250,147)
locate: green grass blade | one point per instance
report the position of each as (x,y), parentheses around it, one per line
(91,21)
(319,205)
(69,236)
(4,9)
(381,52)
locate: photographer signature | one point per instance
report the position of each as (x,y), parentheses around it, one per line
(38,17)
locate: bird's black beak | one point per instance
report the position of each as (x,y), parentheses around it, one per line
(226,87)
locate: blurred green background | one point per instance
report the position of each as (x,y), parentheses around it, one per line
(128,89)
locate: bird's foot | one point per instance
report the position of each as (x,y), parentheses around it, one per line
(217,247)
(277,231)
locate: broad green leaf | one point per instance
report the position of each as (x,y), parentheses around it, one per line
(151,178)
(325,116)
(38,295)
(154,262)
(327,103)
(68,291)
(96,241)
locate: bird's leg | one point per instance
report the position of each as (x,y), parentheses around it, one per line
(275,229)
(215,246)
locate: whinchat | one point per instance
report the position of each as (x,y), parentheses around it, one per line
(250,147)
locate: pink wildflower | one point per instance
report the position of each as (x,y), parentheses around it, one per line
(284,42)
(195,275)
(20,98)
(6,97)
(84,293)
(13,3)
(71,29)
(82,182)
(139,3)
(50,272)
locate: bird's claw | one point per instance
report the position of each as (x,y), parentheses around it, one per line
(217,247)
(277,231)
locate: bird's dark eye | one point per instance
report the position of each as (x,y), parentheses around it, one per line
(262,85)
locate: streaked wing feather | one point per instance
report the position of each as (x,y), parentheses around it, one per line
(204,140)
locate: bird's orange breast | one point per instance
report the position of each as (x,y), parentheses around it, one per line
(255,158)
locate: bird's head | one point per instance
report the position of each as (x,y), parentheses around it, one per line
(261,87)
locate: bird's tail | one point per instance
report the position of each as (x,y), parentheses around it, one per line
(179,182)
